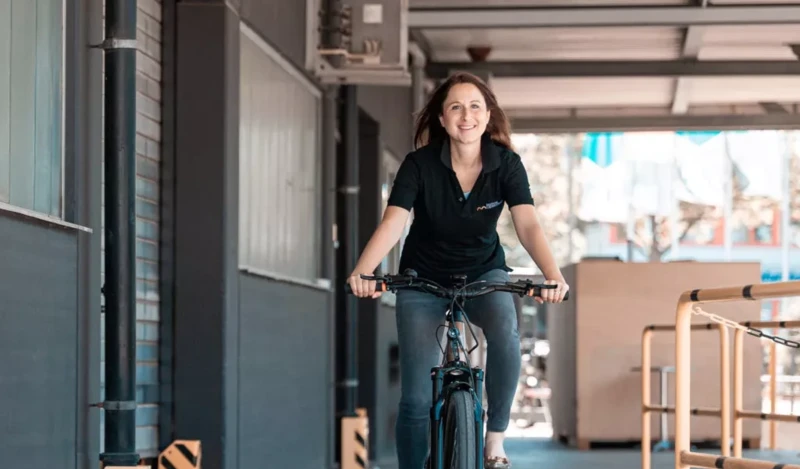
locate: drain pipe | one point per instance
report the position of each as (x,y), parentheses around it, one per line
(120,230)
(349,194)
(352,432)
(347,213)
(329,245)
(331,36)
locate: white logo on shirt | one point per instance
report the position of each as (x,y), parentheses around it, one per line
(490,205)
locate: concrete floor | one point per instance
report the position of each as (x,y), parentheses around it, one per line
(532,448)
(545,454)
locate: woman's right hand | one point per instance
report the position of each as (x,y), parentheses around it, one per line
(362,288)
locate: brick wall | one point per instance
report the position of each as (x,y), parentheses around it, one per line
(148,138)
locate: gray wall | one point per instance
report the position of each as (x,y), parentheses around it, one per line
(387,382)
(282,23)
(284,374)
(285,371)
(50,286)
(252,375)
(391,107)
(205,317)
(253,368)
(39,342)
(379,385)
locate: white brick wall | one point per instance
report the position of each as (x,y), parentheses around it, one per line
(148,155)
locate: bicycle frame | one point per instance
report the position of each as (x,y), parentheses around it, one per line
(454,374)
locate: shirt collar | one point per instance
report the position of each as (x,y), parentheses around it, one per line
(490,154)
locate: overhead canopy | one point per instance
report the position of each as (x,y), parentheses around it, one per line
(573,65)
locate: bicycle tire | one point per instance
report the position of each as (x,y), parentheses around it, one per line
(459,432)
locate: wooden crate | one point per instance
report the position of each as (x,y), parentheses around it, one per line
(595,341)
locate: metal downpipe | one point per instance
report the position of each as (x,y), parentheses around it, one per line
(120,230)
(348,225)
(329,242)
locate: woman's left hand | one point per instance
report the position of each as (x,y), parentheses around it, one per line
(553,295)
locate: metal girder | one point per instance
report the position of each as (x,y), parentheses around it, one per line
(652,123)
(692,43)
(773,108)
(612,68)
(538,17)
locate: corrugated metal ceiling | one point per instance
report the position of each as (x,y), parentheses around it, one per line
(718,42)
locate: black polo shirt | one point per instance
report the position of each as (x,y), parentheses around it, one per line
(452,234)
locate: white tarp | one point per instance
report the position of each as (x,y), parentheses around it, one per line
(647,173)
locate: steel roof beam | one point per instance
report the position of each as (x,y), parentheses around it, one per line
(692,43)
(612,68)
(622,16)
(653,123)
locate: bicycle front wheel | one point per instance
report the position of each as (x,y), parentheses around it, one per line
(459,432)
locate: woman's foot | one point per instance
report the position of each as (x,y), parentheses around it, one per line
(494,453)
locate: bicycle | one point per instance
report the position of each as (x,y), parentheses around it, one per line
(457,413)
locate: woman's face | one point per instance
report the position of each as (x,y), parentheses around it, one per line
(464,114)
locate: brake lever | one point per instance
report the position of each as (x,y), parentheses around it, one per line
(372,277)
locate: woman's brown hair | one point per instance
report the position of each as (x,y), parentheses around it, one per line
(429,129)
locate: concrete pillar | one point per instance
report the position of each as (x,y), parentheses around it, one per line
(206,335)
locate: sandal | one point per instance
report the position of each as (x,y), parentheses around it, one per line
(496,462)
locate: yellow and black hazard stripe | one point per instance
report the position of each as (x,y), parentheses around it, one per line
(355,434)
(361,449)
(181,454)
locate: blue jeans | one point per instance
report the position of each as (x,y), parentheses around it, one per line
(418,316)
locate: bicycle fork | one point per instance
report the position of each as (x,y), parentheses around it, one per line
(446,379)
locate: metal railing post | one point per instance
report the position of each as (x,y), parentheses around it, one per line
(684,458)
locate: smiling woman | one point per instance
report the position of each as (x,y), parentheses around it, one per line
(457,181)
(462,91)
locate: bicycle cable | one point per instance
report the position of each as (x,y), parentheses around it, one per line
(745,328)
(463,311)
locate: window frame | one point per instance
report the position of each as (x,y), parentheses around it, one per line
(67,51)
(244,261)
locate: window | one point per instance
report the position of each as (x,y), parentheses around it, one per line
(391,263)
(31,104)
(279,176)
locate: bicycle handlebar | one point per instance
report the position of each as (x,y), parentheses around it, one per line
(410,281)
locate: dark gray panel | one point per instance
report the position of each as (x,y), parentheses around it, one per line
(284,374)
(39,344)
(282,23)
(206,222)
(376,327)
(166,246)
(387,385)
(83,128)
(391,107)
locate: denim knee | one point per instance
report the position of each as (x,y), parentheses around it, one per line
(416,407)
(496,312)
(418,318)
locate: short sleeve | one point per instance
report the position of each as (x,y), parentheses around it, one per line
(516,188)
(406,186)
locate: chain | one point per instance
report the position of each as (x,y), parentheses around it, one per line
(750,330)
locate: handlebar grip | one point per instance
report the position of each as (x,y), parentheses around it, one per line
(380,286)
(566,295)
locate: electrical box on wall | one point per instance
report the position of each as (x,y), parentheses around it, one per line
(371,44)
